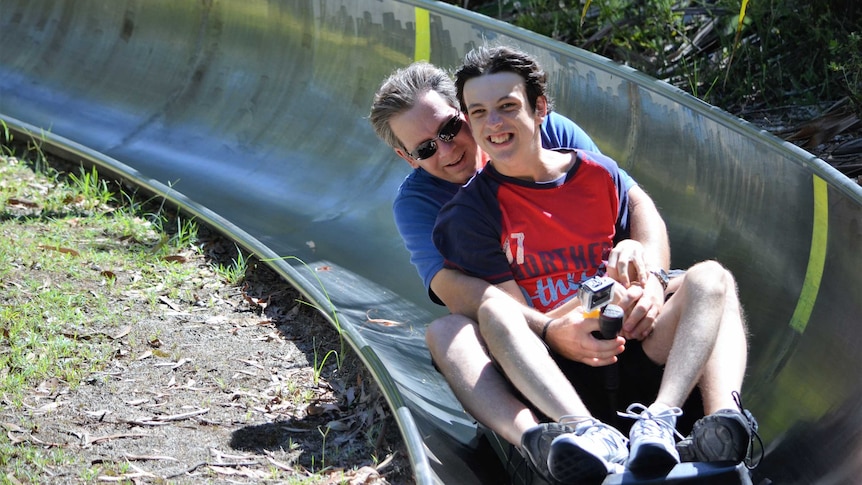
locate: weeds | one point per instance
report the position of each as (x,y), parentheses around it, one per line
(324,434)
(89,191)
(319,363)
(331,311)
(748,52)
(53,327)
(235,272)
(847,63)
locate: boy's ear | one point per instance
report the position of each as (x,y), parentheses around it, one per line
(542,106)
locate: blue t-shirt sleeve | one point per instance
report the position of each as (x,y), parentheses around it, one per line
(415,209)
(561,132)
(468,234)
(627,180)
(415,226)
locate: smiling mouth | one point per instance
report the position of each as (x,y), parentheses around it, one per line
(456,162)
(497,139)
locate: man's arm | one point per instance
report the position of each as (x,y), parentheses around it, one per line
(631,264)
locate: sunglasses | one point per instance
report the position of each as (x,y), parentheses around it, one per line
(447,133)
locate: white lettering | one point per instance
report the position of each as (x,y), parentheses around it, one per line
(549,291)
(518,238)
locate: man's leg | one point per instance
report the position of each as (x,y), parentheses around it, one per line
(686,337)
(526,360)
(727,431)
(686,340)
(725,369)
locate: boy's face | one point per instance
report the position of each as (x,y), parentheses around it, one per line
(430,118)
(503,123)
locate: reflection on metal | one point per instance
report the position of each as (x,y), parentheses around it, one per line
(252,116)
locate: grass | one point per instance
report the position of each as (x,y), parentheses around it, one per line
(339,356)
(65,238)
(234,273)
(45,320)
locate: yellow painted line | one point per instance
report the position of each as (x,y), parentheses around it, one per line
(423,35)
(816,258)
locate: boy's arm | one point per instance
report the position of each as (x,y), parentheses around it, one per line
(566,331)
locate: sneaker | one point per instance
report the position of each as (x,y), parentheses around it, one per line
(536,445)
(652,437)
(726,435)
(588,454)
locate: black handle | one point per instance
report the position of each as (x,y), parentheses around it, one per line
(610,323)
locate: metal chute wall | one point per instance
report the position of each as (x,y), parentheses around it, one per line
(252,115)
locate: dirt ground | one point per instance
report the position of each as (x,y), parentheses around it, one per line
(218,389)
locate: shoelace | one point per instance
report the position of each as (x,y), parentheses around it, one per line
(653,424)
(750,463)
(583,425)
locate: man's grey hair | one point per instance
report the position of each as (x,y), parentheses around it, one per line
(399,93)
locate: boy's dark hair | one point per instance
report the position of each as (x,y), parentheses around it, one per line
(491,60)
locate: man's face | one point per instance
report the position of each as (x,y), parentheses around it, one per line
(503,123)
(454,161)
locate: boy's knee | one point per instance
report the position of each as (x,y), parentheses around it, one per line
(444,329)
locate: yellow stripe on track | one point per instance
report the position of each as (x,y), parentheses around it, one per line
(423,35)
(816,258)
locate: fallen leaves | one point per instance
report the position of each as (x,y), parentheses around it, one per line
(59,249)
(380,321)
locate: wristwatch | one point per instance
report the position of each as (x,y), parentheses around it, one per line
(661,274)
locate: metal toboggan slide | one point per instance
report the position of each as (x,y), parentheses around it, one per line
(251,115)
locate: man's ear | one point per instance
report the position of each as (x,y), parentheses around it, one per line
(401,153)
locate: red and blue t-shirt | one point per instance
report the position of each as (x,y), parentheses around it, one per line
(421,196)
(549,237)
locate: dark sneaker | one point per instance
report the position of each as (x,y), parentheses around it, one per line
(589,454)
(652,438)
(726,435)
(536,445)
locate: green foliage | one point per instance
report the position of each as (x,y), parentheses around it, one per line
(738,54)
(90,191)
(319,363)
(847,64)
(235,272)
(46,322)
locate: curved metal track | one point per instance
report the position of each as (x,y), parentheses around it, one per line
(251,115)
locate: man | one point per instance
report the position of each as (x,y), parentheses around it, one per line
(535,222)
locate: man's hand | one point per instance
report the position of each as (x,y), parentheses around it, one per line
(570,336)
(627,263)
(642,305)
(642,295)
